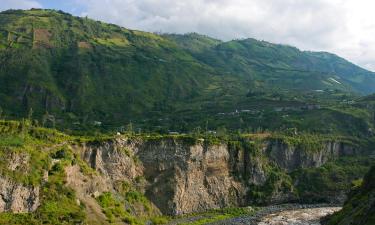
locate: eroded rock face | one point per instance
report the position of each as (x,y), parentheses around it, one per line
(114,159)
(14,196)
(182,177)
(17,198)
(178,176)
(189,178)
(18,161)
(291,157)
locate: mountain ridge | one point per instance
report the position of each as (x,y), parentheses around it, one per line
(78,69)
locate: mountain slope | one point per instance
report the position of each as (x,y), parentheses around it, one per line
(287,67)
(360,206)
(72,70)
(55,62)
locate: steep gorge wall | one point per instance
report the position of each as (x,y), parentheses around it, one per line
(177,175)
(184,177)
(291,157)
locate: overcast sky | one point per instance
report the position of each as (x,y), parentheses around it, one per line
(344,27)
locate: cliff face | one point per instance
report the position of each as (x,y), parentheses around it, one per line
(291,157)
(190,178)
(184,177)
(177,175)
(15,196)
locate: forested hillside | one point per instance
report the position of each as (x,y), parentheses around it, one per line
(76,73)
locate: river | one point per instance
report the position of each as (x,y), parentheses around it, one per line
(298,217)
(284,215)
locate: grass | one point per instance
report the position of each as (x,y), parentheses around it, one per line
(121,207)
(115,211)
(218,215)
(7,141)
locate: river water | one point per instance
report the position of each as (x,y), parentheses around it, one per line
(310,216)
(292,214)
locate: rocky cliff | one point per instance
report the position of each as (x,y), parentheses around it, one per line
(14,195)
(178,175)
(292,157)
(184,176)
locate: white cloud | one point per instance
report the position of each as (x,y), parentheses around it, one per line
(18,4)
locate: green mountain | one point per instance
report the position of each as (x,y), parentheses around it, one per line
(279,66)
(72,70)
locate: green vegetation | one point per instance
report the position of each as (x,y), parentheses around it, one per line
(315,184)
(359,208)
(59,203)
(324,184)
(116,210)
(311,142)
(307,185)
(217,215)
(18,219)
(38,146)
(22,139)
(47,149)
(162,83)
(90,79)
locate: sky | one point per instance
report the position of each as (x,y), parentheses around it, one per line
(343,27)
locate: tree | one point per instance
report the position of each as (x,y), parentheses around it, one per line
(129,128)
(30,114)
(221,131)
(48,120)
(197,131)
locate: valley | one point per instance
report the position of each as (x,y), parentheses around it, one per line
(169,175)
(101,124)
(78,74)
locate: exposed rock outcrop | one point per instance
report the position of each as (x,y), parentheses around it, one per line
(189,177)
(184,177)
(16,197)
(178,175)
(291,157)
